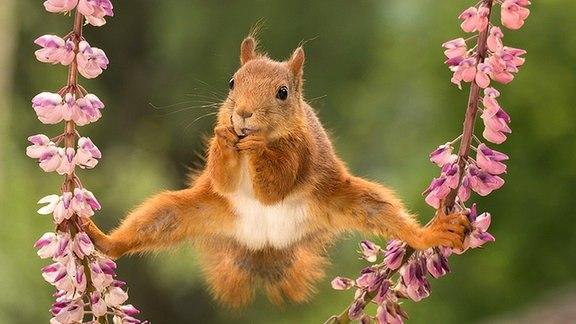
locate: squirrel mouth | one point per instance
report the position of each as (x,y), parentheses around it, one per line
(245,132)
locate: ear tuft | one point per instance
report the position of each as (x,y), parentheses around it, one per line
(296,62)
(247,50)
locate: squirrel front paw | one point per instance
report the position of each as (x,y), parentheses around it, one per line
(253,143)
(445,230)
(226,136)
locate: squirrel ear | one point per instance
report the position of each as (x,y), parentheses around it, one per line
(247,50)
(296,62)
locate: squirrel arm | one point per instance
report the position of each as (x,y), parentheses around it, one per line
(371,208)
(161,221)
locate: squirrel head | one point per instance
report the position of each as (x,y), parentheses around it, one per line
(265,95)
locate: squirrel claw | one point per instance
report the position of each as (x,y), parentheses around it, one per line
(446,230)
(226,135)
(251,143)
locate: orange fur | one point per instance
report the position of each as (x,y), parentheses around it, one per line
(292,168)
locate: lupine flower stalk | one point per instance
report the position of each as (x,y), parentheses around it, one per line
(87,290)
(398,272)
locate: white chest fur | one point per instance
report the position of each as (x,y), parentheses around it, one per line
(258,226)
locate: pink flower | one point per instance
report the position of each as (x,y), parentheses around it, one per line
(57,275)
(51,159)
(60,5)
(514,12)
(464,71)
(482,75)
(494,41)
(87,110)
(95,11)
(440,187)
(386,314)
(82,245)
(490,160)
(496,122)
(72,312)
(115,296)
(67,162)
(98,305)
(91,60)
(48,107)
(87,154)
(54,50)
(470,19)
(443,155)
(59,206)
(84,203)
(341,283)
(464,191)
(482,22)
(483,182)
(38,147)
(369,250)
(100,279)
(505,62)
(367,279)
(455,48)
(474,19)
(47,245)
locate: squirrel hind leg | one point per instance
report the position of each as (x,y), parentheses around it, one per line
(298,282)
(231,287)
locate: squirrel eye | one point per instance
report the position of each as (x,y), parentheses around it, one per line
(282,93)
(231,84)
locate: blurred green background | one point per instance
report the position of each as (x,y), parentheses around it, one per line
(374,72)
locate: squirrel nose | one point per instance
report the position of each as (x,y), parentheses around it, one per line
(244,113)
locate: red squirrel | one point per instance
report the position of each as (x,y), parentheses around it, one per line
(272,196)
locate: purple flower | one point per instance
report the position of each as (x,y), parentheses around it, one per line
(383,292)
(413,273)
(436,263)
(369,250)
(394,254)
(357,309)
(490,160)
(483,182)
(386,314)
(129,310)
